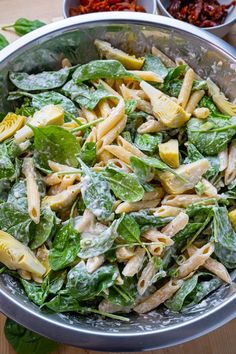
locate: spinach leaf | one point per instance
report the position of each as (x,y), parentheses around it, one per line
(25,109)
(42,99)
(125,186)
(57,144)
(3,41)
(125,294)
(65,247)
(129,230)
(146,221)
(207,102)
(224,237)
(195,155)
(15,221)
(130,106)
(23,26)
(173,87)
(85,96)
(46,80)
(190,229)
(96,193)
(155,65)
(202,289)
(102,69)
(9,168)
(177,301)
(5,186)
(56,281)
(148,142)
(175,73)
(65,303)
(37,293)
(44,229)
(143,172)
(24,341)
(94,245)
(88,153)
(211,142)
(84,286)
(134,120)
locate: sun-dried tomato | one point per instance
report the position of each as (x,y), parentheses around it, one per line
(89,6)
(199,12)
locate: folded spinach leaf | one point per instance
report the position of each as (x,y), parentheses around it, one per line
(82,285)
(129,230)
(146,220)
(195,155)
(148,142)
(3,41)
(125,294)
(44,230)
(95,245)
(37,293)
(24,341)
(96,193)
(65,247)
(102,69)
(46,80)
(65,303)
(9,167)
(124,185)
(56,144)
(224,237)
(154,64)
(42,99)
(85,96)
(212,141)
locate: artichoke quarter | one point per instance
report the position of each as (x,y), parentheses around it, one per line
(14,255)
(220,100)
(164,108)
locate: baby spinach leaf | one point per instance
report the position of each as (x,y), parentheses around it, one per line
(64,303)
(15,221)
(210,142)
(65,247)
(85,96)
(202,289)
(57,144)
(42,99)
(154,64)
(129,230)
(23,26)
(124,185)
(143,171)
(46,80)
(88,153)
(102,69)
(96,193)
(37,293)
(177,301)
(3,41)
(24,341)
(25,109)
(8,166)
(84,286)
(148,142)
(130,106)
(125,294)
(207,102)
(173,87)
(190,229)
(94,245)
(44,229)
(146,220)
(175,73)
(224,237)
(56,281)
(195,155)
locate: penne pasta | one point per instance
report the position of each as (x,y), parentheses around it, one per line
(119,152)
(230,172)
(63,199)
(110,122)
(141,104)
(94,263)
(209,190)
(195,261)
(123,254)
(186,88)
(223,158)
(176,225)
(213,266)
(146,277)
(160,296)
(147,76)
(129,147)
(126,207)
(92,137)
(90,116)
(184,200)
(194,99)
(157,193)
(201,113)
(135,263)
(104,109)
(151,126)
(166,210)
(33,196)
(86,222)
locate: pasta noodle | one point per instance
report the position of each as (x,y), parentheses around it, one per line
(184,200)
(195,98)
(176,225)
(135,263)
(129,147)
(124,254)
(166,210)
(201,113)
(223,158)
(94,263)
(145,279)
(230,172)
(126,207)
(186,88)
(151,126)
(147,75)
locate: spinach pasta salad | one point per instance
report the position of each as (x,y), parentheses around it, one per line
(118,185)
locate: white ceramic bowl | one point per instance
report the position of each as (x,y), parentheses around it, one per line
(149,5)
(219,31)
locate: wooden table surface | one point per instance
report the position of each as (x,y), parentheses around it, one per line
(221,341)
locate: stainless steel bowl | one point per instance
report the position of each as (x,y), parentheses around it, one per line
(73,38)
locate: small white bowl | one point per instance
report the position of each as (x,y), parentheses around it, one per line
(149,5)
(220,30)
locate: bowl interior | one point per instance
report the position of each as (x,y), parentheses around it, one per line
(45,52)
(149,5)
(231,17)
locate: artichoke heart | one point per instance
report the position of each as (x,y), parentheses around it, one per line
(15,255)
(106,50)
(169,152)
(220,100)
(165,110)
(192,172)
(10,124)
(48,115)
(63,199)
